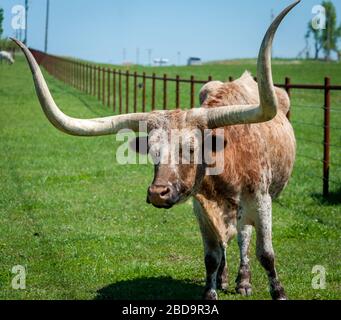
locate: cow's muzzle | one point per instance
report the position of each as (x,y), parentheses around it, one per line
(162,197)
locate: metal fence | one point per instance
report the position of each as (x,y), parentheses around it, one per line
(126,91)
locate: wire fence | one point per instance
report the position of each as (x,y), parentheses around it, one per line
(125,92)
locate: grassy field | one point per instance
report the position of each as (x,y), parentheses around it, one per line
(79,224)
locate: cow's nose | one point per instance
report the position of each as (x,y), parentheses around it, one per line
(160,196)
(159,191)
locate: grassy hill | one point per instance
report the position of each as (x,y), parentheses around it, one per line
(300,71)
(79,223)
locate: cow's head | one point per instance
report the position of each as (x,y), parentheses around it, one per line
(182,152)
(173,133)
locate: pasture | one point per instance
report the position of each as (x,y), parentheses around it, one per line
(80,224)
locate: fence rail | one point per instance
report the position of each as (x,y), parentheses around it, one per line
(113,87)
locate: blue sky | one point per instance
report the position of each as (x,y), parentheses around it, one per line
(215,29)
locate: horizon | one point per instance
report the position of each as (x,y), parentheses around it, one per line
(118,27)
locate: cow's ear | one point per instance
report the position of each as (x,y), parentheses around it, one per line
(140,145)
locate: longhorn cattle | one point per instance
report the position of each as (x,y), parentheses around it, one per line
(4,55)
(258,152)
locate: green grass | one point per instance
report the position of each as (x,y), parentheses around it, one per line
(80,225)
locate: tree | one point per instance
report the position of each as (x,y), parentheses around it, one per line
(1,21)
(332,33)
(326,39)
(317,36)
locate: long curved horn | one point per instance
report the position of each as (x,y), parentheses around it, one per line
(267,110)
(72,126)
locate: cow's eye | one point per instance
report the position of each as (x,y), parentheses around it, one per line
(155,154)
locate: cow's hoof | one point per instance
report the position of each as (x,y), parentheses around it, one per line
(279,295)
(210,295)
(223,286)
(277,292)
(244,289)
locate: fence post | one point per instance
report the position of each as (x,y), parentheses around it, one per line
(74,74)
(103,86)
(109,88)
(144,93)
(87,75)
(66,79)
(114,90)
(326,158)
(135,92)
(192,92)
(127,91)
(288,90)
(68,72)
(64,71)
(99,84)
(153,91)
(95,83)
(79,76)
(177,98)
(84,72)
(58,69)
(90,76)
(120,91)
(61,71)
(71,73)
(87,79)
(230,78)
(165,91)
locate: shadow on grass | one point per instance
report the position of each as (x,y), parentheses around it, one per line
(95,107)
(334,198)
(163,288)
(90,106)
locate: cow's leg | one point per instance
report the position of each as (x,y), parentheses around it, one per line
(222,275)
(215,249)
(265,252)
(213,260)
(244,275)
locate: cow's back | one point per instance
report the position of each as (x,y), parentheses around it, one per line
(257,156)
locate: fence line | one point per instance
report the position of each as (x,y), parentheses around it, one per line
(107,84)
